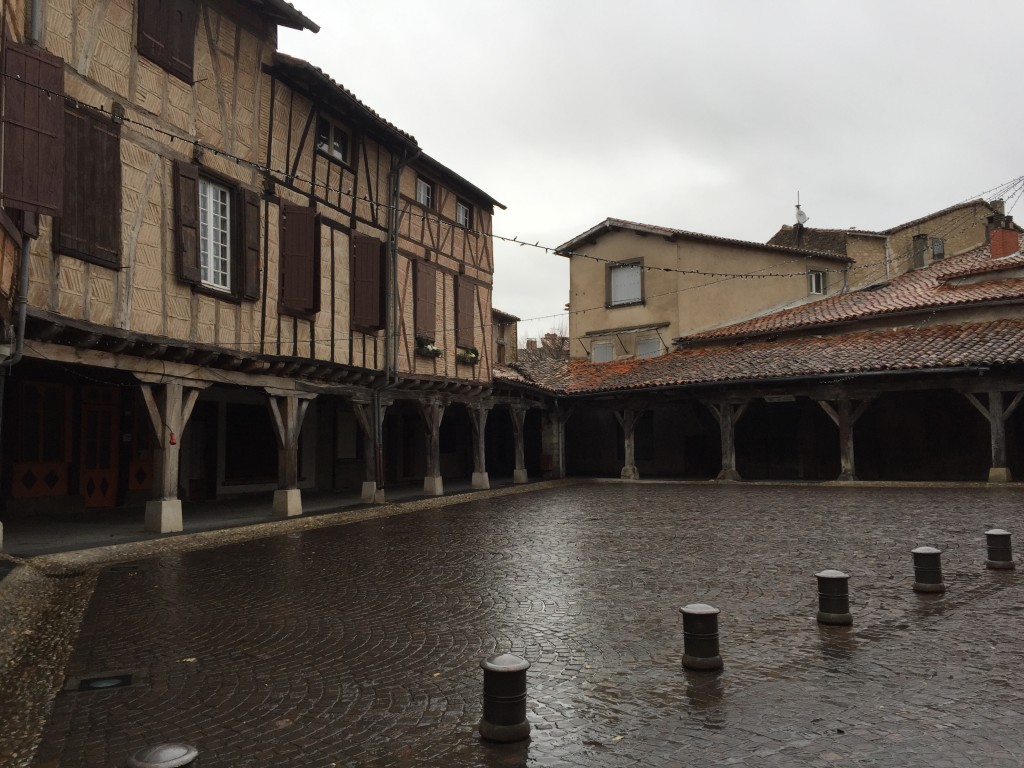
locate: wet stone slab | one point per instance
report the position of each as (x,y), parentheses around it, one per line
(359,645)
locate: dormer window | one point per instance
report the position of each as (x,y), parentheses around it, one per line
(331,140)
(424,192)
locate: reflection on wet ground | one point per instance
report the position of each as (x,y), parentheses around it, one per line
(360,644)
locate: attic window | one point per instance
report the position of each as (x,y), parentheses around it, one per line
(331,140)
(167,35)
(816,282)
(938,248)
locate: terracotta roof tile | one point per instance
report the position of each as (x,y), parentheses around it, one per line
(922,289)
(997,342)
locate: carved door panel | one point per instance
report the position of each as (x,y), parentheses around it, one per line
(98,473)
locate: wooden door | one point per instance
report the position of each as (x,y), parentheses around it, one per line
(98,473)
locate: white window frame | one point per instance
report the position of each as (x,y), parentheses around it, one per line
(607,348)
(657,346)
(463,214)
(424,192)
(334,132)
(816,282)
(634,296)
(215,235)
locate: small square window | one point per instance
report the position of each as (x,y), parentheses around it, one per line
(625,284)
(602,352)
(424,192)
(331,139)
(215,235)
(464,214)
(648,347)
(816,282)
(938,248)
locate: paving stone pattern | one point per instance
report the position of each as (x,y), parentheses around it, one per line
(359,645)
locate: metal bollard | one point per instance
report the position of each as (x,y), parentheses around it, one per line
(928,570)
(504,716)
(834,598)
(1000,551)
(164,756)
(700,636)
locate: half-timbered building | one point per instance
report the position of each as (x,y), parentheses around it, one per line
(238,277)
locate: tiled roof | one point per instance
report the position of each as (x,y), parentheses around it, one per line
(922,289)
(997,342)
(504,316)
(815,239)
(1013,261)
(611,225)
(285,14)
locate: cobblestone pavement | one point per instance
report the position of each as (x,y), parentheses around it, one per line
(359,645)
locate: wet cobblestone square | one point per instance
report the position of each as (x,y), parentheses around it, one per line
(359,645)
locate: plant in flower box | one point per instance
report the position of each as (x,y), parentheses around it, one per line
(468,355)
(426,348)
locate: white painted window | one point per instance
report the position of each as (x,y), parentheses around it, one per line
(626,284)
(816,282)
(331,139)
(464,214)
(648,347)
(602,351)
(215,235)
(424,192)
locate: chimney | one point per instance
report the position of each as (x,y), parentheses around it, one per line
(919,247)
(531,345)
(1003,238)
(998,206)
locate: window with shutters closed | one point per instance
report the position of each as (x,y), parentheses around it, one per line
(33,130)
(300,260)
(217,227)
(90,226)
(166,35)
(465,298)
(425,278)
(367,283)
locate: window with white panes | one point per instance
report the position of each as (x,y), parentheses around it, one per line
(215,235)
(331,139)
(464,214)
(816,282)
(424,192)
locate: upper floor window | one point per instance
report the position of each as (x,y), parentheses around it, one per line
(463,214)
(648,347)
(331,139)
(602,352)
(167,35)
(217,227)
(816,282)
(424,192)
(625,283)
(938,248)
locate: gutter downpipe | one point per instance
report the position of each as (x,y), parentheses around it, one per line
(390,311)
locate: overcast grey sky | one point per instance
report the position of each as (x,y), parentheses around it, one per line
(706,116)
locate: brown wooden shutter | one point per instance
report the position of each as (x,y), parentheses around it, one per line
(367,282)
(300,259)
(465,296)
(186,209)
(166,35)
(251,245)
(426,300)
(33,121)
(90,226)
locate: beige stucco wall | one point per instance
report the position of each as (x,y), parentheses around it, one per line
(962,229)
(686,302)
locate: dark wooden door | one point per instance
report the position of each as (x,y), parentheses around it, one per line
(98,473)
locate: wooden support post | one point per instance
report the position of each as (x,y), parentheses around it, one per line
(627,419)
(728,415)
(554,439)
(432,411)
(518,412)
(844,415)
(169,409)
(478,418)
(367,417)
(287,412)
(997,415)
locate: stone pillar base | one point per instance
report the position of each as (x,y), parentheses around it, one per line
(729,474)
(999,475)
(163,516)
(369,492)
(288,503)
(519,476)
(481,482)
(433,486)
(378,497)
(629,473)
(847,477)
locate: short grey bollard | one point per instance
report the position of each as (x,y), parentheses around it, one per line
(700,636)
(164,756)
(1000,551)
(928,570)
(834,598)
(504,716)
